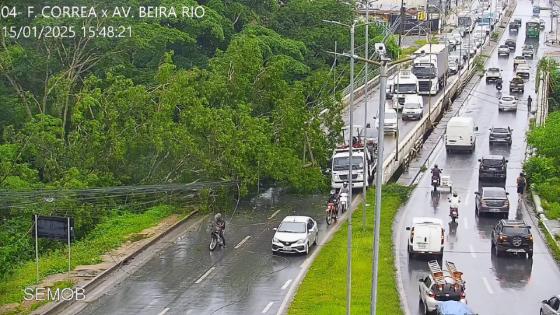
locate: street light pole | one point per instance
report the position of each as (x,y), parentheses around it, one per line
(349,241)
(365,171)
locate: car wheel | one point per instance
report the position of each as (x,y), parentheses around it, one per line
(425,308)
(476,211)
(307,249)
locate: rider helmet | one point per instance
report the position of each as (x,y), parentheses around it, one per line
(345,184)
(218,216)
(435,166)
(454,194)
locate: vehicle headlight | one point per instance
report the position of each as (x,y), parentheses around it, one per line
(302,241)
(275,240)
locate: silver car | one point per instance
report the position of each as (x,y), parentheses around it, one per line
(295,235)
(551,306)
(507,102)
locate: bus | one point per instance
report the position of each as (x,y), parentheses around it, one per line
(533,28)
(489,18)
(466,21)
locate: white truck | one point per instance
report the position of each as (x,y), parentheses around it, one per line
(340,162)
(430,68)
(404,83)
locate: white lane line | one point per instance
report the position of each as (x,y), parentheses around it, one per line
(242,241)
(165,310)
(204,275)
(488,287)
(274,214)
(473,254)
(267,307)
(466,223)
(286,284)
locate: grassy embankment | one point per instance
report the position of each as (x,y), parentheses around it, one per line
(106,236)
(323,290)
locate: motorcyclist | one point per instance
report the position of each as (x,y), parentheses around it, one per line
(221,225)
(499,84)
(344,190)
(454,201)
(436,172)
(333,198)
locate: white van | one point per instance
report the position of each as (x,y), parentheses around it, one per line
(426,236)
(460,134)
(390,123)
(413,107)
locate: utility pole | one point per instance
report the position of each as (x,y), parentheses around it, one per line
(349,241)
(364,189)
(401,24)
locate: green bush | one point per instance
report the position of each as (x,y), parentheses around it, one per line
(550,189)
(552,210)
(540,168)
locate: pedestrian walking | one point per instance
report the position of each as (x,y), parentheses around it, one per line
(521,184)
(529,101)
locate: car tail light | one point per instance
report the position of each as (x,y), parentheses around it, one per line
(530,237)
(483,203)
(506,203)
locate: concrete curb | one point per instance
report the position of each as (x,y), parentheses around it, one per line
(289,297)
(57,308)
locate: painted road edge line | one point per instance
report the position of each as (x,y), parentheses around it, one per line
(242,241)
(274,214)
(267,307)
(286,284)
(204,275)
(165,310)
(487,285)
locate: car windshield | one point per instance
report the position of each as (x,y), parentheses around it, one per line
(341,163)
(406,88)
(516,230)
(424,70)
(492,162)
(499,130)
(507,98)
(292,227)
(411,105)
(498,193)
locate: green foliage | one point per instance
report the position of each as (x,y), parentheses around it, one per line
(320,294)
(479,62)
(539,168)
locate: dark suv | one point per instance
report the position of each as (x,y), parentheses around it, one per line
(512,236)
(492,167)
(500,135)
(492,200)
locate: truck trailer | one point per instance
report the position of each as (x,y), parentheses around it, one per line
(430,68)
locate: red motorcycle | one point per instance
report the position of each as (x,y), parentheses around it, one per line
(332,213)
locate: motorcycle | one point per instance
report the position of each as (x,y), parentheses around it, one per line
(216,238)
(499,86)
(343,202)
(435,182)
(454,210)
(331,213)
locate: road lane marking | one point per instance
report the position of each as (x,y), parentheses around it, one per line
(466,223)
(267,307)
(488,287)
(165,310)
(468,198)
(473,254)
(274,214)
(286,284)
(242,241)
(204,275)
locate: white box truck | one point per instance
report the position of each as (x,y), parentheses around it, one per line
(460,134)
(404,83)
(430,68)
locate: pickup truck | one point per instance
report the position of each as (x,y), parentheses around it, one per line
(493,74)
(528,51)
(516,85)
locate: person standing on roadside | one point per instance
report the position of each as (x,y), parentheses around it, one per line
(521,184)
(529,101)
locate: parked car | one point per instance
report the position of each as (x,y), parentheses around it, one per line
(441,285)
(503,50)
(512,236)
(413,107)
(492,200)
(551,306)
(390,123)
(295,234)
(523,71)
(500,135)
(492,167)
(511,44)
(426,237)
(507,103)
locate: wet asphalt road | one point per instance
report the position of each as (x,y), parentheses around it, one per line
(496,286)
(243,280)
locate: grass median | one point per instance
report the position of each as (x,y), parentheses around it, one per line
(323,290)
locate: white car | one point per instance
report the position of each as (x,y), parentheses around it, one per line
(523,71)
(426,236)
(507,102)
(503,50)
(413,107)
(390,123)
(439,286)
(295,235)
(551,306)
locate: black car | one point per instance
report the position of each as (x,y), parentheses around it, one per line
(511,44)
(492,167)
(500,135)
(492,200)
(512,236)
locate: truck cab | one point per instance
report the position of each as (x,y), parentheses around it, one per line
(430,68)
(404,83)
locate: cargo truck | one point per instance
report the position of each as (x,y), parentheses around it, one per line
(430,68)
(404,83)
